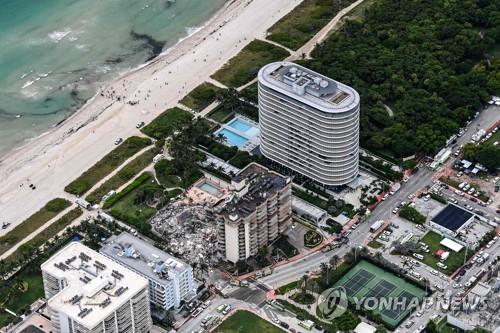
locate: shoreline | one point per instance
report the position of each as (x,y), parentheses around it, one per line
(53,160)
(120,76)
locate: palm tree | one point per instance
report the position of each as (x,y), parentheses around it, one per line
(324,272)
(303,288)
(334,260)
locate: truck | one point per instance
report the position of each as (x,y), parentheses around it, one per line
(376,225)
(83,203)
(307,324)
(106,217)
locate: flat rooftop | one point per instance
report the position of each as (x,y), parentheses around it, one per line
(309,87)
(96,285)
(452,217)
(262,183)
(157,265)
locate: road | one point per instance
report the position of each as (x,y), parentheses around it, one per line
(424,177)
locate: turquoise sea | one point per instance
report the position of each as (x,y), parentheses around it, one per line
(55,53)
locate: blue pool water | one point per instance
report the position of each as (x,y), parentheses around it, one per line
(207,187)
(239,124)
(233,138)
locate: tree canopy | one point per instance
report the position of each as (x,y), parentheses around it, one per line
(429,61)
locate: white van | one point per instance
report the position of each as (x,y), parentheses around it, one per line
(441,265)
(418,256)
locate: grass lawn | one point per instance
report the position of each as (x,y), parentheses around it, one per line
(250,93)
(245,65)
(246,322)
(35,221)
(126,205)
(494,137)
(107,165)
(167,123)
(358,13)
(374,244)
(131,204)
(302,23)
(16,300)
(46,234)
(5,318)
(124,175)
(287,287)
(454,261)
(169,176)
(201,96)
(220,114)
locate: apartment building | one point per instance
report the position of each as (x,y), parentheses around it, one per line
(309,123)
(257,211)
(89,293)
(170,279)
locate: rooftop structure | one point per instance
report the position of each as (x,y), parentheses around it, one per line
(309,87)
(309,123)
(451,219)
(85,290)
(252,187)
(308,211)
(170,279)
(454,246)
(255,213)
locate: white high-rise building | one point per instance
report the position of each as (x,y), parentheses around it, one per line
(258,210)
(309,123)
(89,293)
(170,279)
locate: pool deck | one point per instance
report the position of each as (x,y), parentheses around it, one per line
(252,140)
(196,195)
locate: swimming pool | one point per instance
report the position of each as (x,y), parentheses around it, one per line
(232,138)
(239,124)
(209,188)
(244,127)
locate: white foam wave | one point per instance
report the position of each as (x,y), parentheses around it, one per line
(57,36)
(192,30)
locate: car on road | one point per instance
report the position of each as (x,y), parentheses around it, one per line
(409,324)
(284,325)
(139,125)
(418,256)
(406,179)
(441,265)
(118,141)
(434,272)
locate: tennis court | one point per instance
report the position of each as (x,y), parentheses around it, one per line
(393,297)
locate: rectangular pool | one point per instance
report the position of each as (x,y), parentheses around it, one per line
(239,124)
(209,188)
(232,138)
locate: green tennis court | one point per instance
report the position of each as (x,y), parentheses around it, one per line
(387,295)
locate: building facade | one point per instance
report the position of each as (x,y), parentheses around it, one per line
(309,123)
(170,279)
(258,210)
(88,293)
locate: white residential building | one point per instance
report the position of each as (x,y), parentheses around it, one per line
(309,123)
(89,293)
(170,279)
(257,211)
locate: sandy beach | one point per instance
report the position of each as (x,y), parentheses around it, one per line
(53,160)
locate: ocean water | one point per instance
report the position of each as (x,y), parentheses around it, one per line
(55,53)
